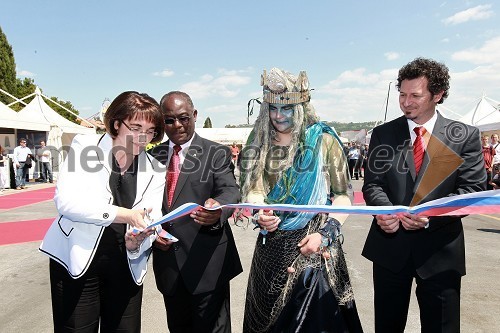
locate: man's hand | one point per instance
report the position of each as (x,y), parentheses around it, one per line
(413,222)
(388,223)
(162,243)
(207,217)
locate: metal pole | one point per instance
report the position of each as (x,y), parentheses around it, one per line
(387,101)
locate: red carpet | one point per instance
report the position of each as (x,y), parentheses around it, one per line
(26,197)
(23,231)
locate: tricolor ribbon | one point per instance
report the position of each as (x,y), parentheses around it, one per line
(486,202)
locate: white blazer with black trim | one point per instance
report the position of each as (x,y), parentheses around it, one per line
(85,205)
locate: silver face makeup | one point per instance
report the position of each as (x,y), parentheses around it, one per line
(281,116)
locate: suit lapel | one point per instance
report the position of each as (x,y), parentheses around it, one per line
(440,160)
(403,135)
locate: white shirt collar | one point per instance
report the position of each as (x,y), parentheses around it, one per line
(183,151)
(429,126)
(183,146)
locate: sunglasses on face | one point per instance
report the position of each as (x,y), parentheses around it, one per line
(184,120)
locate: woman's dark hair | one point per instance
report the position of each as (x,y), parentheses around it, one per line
(435,72)
(133,105)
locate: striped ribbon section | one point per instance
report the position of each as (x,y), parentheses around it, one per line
(486,202)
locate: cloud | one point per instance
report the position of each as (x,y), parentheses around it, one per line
(391,55)
(25,73)
(224,114)
(468,86)
(360,77)
(477,13)
(223,71)
(489,53)
(224,84)
(164,73)
(356,95)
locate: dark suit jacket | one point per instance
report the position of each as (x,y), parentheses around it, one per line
(453,165)
(205,257)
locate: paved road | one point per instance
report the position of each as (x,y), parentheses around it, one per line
(25,302)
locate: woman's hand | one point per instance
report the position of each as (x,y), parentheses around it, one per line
(133,217)
(311,244)
(268,221)
(133,241)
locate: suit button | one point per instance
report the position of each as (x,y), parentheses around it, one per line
(171,225)
(176,247)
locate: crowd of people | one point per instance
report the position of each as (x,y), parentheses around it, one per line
(491,155)
(99,250)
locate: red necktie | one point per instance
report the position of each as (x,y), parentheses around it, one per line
(419,147)
(173,173)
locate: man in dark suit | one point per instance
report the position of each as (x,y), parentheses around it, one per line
(193,274)
(407,167)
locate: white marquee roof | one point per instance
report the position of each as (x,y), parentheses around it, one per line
(485,115)
(37,115)
(225,136)
(8,117)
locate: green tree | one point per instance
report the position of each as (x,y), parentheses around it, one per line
(61,110)
(207,123)
(24,87)
(7,69)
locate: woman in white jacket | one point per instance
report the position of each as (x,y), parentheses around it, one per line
(107,186)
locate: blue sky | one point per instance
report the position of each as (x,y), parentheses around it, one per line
(86,51)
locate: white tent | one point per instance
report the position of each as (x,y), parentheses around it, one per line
(39,116)
(485,115)
(8,117)
(225,136)
(38,113)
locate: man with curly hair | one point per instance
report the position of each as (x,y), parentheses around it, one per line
(415,158)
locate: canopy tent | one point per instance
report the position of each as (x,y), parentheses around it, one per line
(8,117)
(485,115)
(39,116)
(43,117)
(225,136)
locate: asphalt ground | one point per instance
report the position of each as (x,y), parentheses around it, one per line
(25,304)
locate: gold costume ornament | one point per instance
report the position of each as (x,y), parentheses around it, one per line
(280,87)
